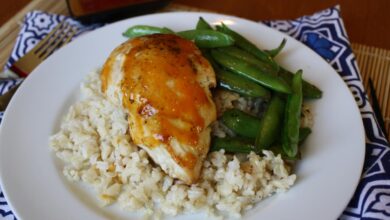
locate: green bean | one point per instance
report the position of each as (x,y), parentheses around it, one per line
(276,51)
(251,72)
(240,85)
(271,123)
(245,44)
(207,38)
(141,30)
(233,145)
(290,134)
(241,123)
(249,58)
(309,91)
(203,25)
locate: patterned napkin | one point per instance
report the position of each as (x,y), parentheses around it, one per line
(324,32)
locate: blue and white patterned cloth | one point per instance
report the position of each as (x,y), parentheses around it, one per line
(324,32)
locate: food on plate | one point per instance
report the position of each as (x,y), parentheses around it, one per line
(152,134)
(164,82)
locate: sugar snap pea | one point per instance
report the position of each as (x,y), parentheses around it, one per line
(249,58)
(235,83)
(304,132)
(207,38)
(207,54)
(277,50)
(251,72)
(246,145)
(309,90)
(233,145)
(241,123)
(141,30)
(271,123)
(245,44)
(203,25)
(290,134)
(276,148)
(241,85)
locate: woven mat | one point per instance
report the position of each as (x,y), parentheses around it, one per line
(373,62)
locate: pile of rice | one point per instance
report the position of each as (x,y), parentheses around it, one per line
(95,145)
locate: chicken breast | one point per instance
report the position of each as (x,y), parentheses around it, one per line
(164,82)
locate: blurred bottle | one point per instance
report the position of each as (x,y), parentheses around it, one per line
(92,11)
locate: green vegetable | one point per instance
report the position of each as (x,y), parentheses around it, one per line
(141,30)
(277,148)
(203,25)
(207,38)
(277,50)
(249,58)
(235,83)
(233,145)
(309,91)
(251,72)
(246,145)
(241,85)
(241,123)
(248,46)
(292,117)
(271,123)
(207,54)
(303,134)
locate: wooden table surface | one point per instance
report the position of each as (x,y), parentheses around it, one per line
(367,21)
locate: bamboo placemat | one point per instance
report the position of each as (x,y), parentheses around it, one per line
(374,62)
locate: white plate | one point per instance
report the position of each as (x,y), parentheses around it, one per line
(31,176)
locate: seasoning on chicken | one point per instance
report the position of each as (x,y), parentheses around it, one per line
(164,83)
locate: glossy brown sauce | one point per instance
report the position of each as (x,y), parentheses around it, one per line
(105,74)
(160,79)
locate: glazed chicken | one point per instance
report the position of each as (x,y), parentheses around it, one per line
(163,82)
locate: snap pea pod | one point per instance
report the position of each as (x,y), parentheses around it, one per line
(271,123)
(304,132)
(246,145)
(276,51)
(235,83)
(309,90)
(241,123)
(290,134)
(245,44)
(141,30)
(249,58)
(207,54)
(249,126)
(207,38)
(251,72)
(233,145)
(277,148)
(240,85)
(203,25)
